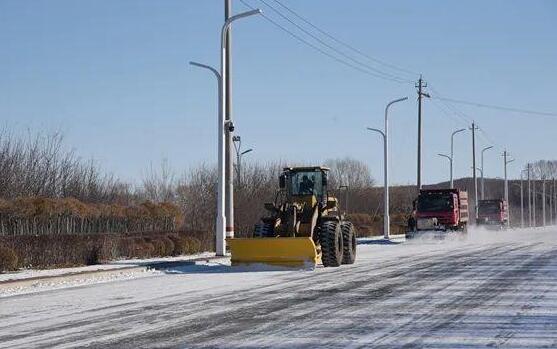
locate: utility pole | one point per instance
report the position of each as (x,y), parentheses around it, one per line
(522,199)
(534,201)
(505,155)
(474,128)
(229,174)
(529,198)
(420,85)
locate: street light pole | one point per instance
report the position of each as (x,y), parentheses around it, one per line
(522,198)
(474,128)
(450,168)
(220,198)
(451,185)
(505,155)
(228,141)
(385,134)
(482,181)
(225,227)
(237,140)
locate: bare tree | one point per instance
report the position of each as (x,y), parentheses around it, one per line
(350,172)
(159,186)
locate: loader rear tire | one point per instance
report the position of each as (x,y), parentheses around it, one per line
(331,244)
(349,242)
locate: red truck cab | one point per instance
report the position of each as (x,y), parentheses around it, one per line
(493,212)
(442,209)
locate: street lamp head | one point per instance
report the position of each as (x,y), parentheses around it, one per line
(377,130)
(244,14)
(486,148)
(459,130)
(247,151)
(205,66)
(399,100)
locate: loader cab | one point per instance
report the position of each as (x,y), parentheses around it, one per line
(305,181)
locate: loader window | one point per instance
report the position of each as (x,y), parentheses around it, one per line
(307,183)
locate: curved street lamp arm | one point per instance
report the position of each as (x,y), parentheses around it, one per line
(445,156)
(229,21)
(205,66)
(457,131)
(377,130)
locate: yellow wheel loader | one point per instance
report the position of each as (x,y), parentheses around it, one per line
(303,227)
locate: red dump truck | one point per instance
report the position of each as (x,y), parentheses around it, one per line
(441,210)
(493,213)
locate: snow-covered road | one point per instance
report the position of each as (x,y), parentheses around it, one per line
(496,290)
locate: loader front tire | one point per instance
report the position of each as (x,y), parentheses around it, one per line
(349,242)
(331,244)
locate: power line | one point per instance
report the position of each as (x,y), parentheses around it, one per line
(457,112)
(449,114)
(320,50)
(372,71)
(350,47)
(337,51)
(498,107)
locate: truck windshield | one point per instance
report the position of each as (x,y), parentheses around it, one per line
(435,202)
(489,207)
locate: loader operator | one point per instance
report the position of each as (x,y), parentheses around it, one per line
(306,185)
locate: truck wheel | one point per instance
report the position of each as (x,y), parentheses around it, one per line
(348,242)
(331,244)
(263,230)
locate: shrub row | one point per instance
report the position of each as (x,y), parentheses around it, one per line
(368,225)
(48,251)
(38,215)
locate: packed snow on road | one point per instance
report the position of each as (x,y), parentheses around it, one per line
(494,289)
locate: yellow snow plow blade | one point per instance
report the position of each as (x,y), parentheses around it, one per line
(282,251)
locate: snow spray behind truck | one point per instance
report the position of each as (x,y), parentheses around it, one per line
(441,210)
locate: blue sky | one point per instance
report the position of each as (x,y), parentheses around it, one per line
(113,76)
